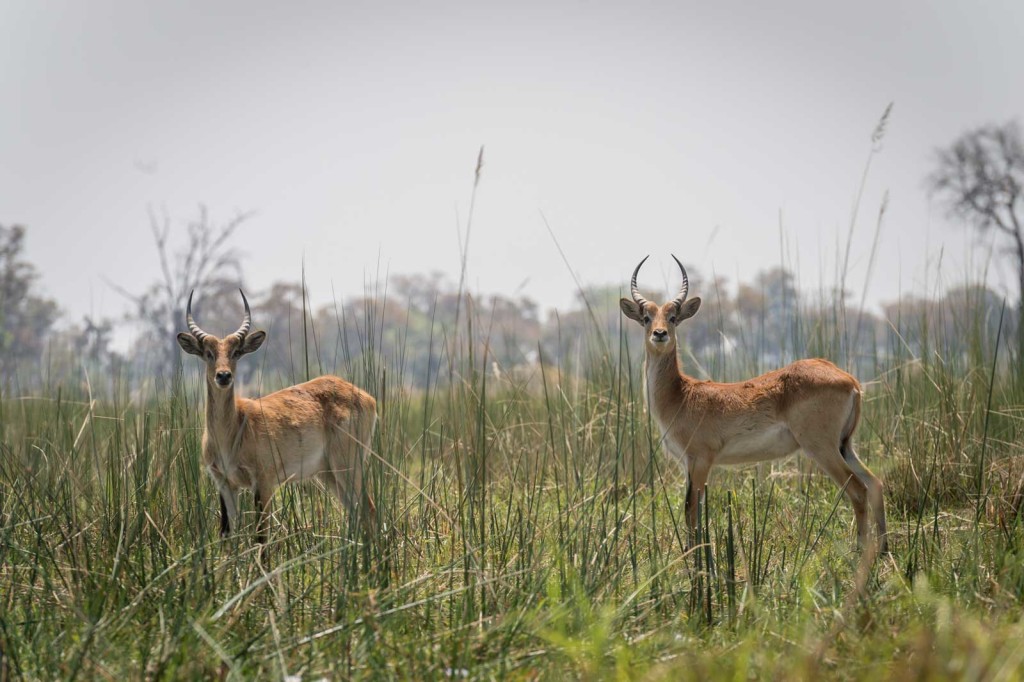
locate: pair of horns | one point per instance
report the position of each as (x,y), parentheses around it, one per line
(678,300)
(200,334)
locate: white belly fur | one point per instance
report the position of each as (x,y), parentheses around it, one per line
(758,446)
(307,461)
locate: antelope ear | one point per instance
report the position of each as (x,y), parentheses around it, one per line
(252,342)
(189,344)
(689,309)
(631,309)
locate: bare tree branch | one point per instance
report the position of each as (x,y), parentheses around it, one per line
(203,261)
(979,178)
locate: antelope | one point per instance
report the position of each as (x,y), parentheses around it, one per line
(320,428)
(810,405)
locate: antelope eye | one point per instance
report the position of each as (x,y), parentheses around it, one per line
(672,319)
(647,319)
(209,354)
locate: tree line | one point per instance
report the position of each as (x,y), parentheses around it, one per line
(419,324)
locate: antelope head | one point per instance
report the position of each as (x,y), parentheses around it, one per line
(220,355)
(660,321)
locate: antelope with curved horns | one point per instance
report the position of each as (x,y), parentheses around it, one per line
(320,428)
(810,405)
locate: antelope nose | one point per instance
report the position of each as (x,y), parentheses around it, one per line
(223,378)
(660,334)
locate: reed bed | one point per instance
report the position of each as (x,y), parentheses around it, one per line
(532,529)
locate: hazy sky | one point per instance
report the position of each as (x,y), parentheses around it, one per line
(352,129)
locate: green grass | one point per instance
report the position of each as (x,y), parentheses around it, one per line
(533,530)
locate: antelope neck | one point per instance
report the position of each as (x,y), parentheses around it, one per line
(664,374)
(221,416)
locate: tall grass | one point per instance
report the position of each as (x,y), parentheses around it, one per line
(532,527)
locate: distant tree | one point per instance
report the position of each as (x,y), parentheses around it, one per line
(506,331)
(279,311)
(587,331)
(767,317)
(93,340)
(980,177)
(511,329)
(962,324)
(973,314)
(711,333)
(25,316)
(81,355)
(206,263)
(424,292)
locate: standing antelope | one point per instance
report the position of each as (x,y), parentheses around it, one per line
(809,404)
(320,428)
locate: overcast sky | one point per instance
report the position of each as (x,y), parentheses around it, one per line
(351,129)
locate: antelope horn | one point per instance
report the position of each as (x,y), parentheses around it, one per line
(640,300)
(192,326)
(685,288)
(247,320)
